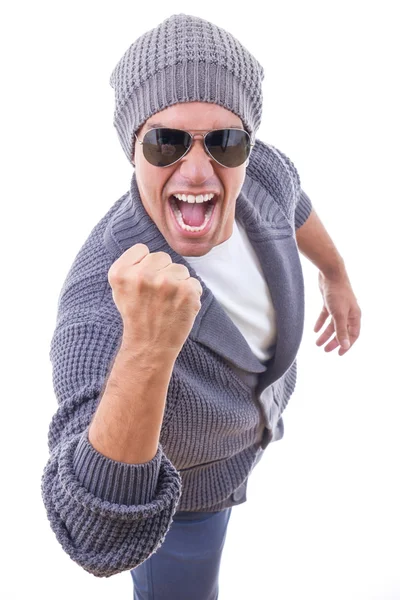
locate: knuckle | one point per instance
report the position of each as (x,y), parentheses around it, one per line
(136,253)
(115,275)
(163,282)
(164,255)
(184,270)
(193,287)
(142,278)
(140,246)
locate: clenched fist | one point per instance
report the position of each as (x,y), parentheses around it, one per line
(157,299)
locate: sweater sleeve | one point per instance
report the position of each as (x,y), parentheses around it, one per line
(303,206)
(108,516)
(302,210)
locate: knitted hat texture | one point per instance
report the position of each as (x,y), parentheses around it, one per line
(184,59)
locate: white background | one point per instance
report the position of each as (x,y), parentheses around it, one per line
(322,516)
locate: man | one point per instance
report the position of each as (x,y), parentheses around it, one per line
(178,325)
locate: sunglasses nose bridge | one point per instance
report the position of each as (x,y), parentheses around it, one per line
(201,138)
(197,163)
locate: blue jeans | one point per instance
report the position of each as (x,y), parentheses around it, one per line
(186,566)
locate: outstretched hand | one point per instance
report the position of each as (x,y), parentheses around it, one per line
(341,305)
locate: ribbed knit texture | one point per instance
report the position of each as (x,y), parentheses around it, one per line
(110,516)
(185,59)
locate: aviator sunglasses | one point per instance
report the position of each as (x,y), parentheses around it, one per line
(162,146)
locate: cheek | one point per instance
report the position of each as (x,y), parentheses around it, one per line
(242,174)
(152,184)
(236,180)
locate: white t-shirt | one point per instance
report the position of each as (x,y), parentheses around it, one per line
(233,273)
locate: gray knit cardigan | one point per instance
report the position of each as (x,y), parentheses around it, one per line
(223,405)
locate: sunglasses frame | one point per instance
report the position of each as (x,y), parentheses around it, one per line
(191,143)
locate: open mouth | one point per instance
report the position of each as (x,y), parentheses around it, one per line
(193,217)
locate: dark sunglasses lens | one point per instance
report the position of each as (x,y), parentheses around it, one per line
(230,147)
(162,147)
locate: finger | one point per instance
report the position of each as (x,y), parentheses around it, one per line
(133,255)
(195,283)
(354,326)
(342,351)
(321,319)
(354,332)
(332,345)
(335,343)
(329,331)
(157,260)
(342,335)
(176,271)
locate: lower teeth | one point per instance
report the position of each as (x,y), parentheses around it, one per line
(179,218)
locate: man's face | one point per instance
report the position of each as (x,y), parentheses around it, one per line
(196,173)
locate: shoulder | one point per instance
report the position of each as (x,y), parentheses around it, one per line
(86,281)
(277,174)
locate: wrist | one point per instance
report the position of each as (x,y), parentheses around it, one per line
(334,272)
(147,356)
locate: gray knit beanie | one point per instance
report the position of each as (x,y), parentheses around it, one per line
(184,59)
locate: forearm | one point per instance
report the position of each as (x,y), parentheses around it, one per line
(127,423)
(315,244)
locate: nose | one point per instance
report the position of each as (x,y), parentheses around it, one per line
(197,164)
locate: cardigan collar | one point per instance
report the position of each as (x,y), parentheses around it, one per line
(270,232)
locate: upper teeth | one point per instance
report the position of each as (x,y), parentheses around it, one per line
(190,198)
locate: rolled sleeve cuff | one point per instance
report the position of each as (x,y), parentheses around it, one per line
(114,481)
(303,209)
